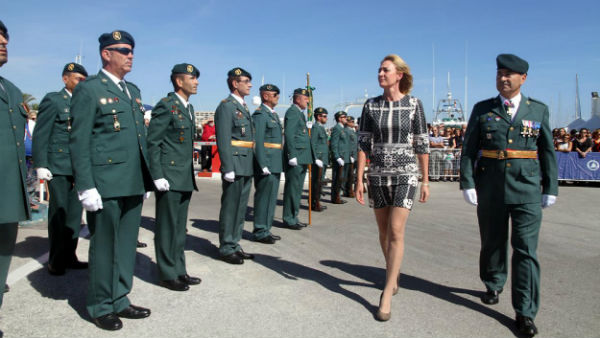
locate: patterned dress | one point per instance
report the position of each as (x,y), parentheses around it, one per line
(391,133)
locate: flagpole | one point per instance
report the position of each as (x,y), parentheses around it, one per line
(309,118)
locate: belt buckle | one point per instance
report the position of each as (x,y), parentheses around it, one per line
(502,154)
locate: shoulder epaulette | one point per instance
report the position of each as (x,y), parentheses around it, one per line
(90,78)
(165,99)
(133,84)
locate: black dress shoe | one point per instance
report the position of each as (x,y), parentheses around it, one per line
(134,312)
(233,258)
(265,240)
(141,244)
(244,255)
(293,226)
(189,280)
(526,326)
(275,237)
(77,265)
(302,225)
(108,322)
(174,284)
(491,297)
(54,271)
(6,288)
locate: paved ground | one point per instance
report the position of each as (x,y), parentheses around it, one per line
(325,281)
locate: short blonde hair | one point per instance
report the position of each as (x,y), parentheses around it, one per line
(406,83)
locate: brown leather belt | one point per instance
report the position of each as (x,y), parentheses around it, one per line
(508,153)
(273,145)
(242,144)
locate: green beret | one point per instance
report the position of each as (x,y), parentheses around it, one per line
(512,62)
(114,38)
(300,91)
(340,114)
(350,119)
(237,71)
(320,111)
(185,68)
(3,30)
(74,68)
(269,88)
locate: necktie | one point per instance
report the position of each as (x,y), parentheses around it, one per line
(508,105)
(190,111)
(124,88)
(3,92)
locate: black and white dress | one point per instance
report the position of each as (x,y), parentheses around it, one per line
(391,133)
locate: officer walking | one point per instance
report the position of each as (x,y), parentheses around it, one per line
(14,202)
(352,151)
(268,163)
(512,133)
(320,148)
(171,149)
(108,154)
(53,162)
(297,156)
(339,146)
(235,140)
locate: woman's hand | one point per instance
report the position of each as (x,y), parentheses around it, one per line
(424,192)
(359,192)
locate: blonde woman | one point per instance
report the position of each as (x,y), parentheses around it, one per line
(393,134)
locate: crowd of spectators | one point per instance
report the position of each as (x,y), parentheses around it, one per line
(582,141)
(445,143)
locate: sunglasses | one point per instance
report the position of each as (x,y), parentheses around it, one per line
(121,50)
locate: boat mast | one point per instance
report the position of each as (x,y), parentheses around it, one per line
(466,78)
(433,75)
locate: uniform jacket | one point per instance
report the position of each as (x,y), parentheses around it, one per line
(171,143)
(233,122)
(340,143)
(297,143)
(108,139)
(12,150)
(512,181)
(352,142)
(51,134)
(318,141)
(267,129)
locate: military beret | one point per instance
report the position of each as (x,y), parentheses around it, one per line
(185,68)
(74,68)
(512,62)
(350,119)
(237,71)
(269,88)
(300,91)
(3,30)
(340,114)
(320,111)
(114,38)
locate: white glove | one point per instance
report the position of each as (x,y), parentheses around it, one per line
(147,195)
(351,159)
(293,162)
(229,177)
(340,161)
(44,174)
(266,171)
(319,163)
(90,199)
(548,200)
(470,196)
(162,184)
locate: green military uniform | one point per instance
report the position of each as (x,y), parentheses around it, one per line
(339,146)
(320,149)
(170,148)
(235,137)
(349,166)
(51,151)
(268,154)
(108,152)
(297,145)
(14,202)
(508,185)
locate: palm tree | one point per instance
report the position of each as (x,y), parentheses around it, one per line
(28,99)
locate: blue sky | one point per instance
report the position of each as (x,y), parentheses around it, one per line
(339,42)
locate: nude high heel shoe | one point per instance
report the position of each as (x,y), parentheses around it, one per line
(382,316)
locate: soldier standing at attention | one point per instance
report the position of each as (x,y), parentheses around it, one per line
(170,148)
(320,148)
(298,156)
(339,149)
(235,140)
(14,203)
(52,159)
(268,163)
(110,166)
(352,151)
(517,153)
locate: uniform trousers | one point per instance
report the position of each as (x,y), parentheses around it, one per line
(169,234)
(234,201)
(337,179)
(8,237)
(348,179)
(316,178)
(493,260)
(292,192)
(114,232)
(64,221)
(265,199)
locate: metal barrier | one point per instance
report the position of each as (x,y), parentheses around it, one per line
(444,164)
